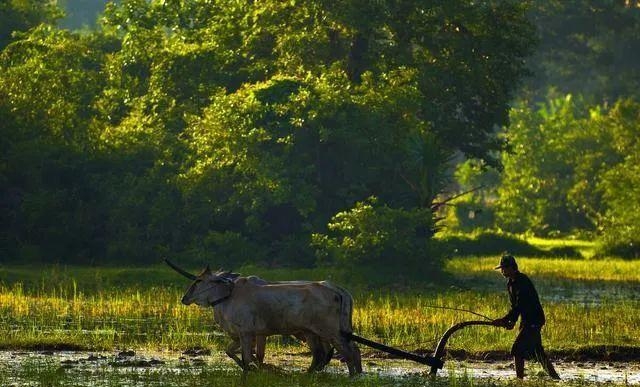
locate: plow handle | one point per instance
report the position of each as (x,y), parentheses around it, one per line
(438,354)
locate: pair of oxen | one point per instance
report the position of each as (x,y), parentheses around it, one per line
(249,309)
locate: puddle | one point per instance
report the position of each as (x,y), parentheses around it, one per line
(13,363)
(592,295)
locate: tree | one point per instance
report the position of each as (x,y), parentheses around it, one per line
(48,81)
(254,123)
(21,15)
(619,183)
(589,48)
(558,179)
(378,96)
(541,170)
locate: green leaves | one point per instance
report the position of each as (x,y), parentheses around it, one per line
(571,169)
(17,16)
(372,236)
(207,124)
(587,48)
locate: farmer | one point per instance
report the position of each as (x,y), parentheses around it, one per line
(526,304)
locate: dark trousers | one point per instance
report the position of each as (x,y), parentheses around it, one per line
(528,345)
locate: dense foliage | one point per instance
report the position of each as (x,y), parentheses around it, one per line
(572,170)
(281,132)
(232,131)
(586,47)
(18,16)
(572,133)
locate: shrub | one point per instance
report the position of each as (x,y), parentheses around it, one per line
(376,238)
(623,249)
(488,243)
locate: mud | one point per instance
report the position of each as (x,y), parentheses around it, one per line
(602,371)
(595,353)
(598,372)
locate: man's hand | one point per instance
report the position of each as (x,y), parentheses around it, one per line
(504,323)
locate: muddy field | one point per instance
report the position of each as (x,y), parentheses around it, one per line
(27,368)
(592,336)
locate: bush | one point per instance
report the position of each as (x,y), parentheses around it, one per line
(372,238)
(627,249)
(565,252)
(488,243)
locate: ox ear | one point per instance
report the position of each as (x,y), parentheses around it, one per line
(207,270)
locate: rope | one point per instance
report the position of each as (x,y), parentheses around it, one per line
(458,309)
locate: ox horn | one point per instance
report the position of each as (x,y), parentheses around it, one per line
(179,270)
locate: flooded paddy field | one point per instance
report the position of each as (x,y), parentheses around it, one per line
(203,367)
(85,318)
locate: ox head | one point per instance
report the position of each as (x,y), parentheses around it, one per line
(208,288)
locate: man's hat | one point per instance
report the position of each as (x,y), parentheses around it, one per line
(507,261)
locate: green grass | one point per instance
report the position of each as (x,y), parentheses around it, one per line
(577,270)
(154,319)
(591,307)
(95,309)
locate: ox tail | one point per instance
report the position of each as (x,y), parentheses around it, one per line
(346,307)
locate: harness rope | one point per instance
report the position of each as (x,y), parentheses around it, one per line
(458,309)
(219,300)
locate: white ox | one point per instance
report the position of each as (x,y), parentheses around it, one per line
(249,310)
(321,350)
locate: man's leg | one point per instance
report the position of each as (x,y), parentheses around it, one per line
(519,364)
(547,365)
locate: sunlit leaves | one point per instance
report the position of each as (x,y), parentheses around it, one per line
(560,176)
(18,16)
(258,121)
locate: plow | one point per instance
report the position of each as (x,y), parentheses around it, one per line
(435,361)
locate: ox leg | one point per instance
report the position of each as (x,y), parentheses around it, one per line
(357,358)
(318,361)
(247,344)
(345,349)
(261,343)
(325,353)
(232,350)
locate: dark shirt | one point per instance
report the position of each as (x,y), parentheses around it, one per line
(524,302)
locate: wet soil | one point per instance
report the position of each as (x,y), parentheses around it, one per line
(591,370)
(595,353)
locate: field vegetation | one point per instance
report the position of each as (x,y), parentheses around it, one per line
(589,304)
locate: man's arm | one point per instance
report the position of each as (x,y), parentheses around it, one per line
(509,320)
